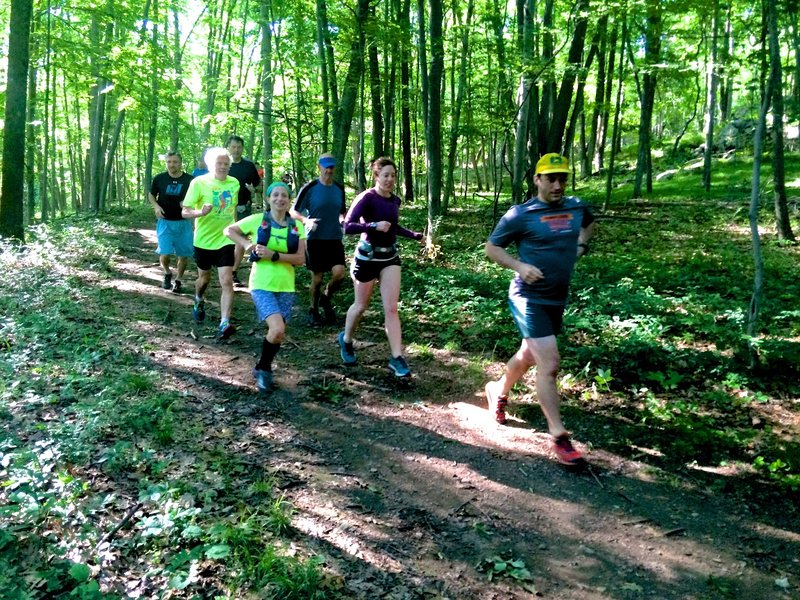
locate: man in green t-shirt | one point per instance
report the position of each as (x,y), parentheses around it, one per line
(211,199)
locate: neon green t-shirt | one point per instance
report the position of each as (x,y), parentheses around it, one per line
(265,274)
(223,196)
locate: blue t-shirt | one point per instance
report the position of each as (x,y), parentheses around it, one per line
(325,203)
(546,236)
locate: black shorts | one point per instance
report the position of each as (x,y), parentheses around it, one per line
(323,255)
(536,320)
(222,257)
(370,270)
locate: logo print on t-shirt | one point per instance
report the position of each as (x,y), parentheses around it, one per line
(558,222)
(174,189)
(222,199)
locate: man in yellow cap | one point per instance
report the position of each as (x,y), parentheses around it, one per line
(550,232)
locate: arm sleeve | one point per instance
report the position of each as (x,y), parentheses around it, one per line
(352,222)
(505,232)
(414,235)
(302,195)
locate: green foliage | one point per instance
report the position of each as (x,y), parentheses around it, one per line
(80,398)
(505,565)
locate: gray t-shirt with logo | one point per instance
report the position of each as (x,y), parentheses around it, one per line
(546,236)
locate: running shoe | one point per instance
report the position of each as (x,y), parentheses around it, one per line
(263,380)
(496,403)
(566,452)
(236,281)
(327,308)
(314,318)
(167,283)
(199,310)
(399,366)
(225,330)
(176,286)
(346,350)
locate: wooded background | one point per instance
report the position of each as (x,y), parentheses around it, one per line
(466,94)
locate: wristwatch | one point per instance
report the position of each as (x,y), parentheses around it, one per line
(276,256)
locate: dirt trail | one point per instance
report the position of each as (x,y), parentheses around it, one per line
(407,489)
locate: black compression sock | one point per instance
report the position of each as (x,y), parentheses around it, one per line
(268,352)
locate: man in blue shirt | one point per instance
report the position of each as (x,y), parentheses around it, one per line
(551,232)
(321,206)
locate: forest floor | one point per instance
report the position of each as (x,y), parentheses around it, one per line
(412,491)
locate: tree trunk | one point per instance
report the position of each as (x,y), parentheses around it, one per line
(644,171)
(726,78)
(755,193)
(405,109)
(322,27)
(110,155)
(616,130)
(422,51)
(30,135)
(347,104)
(578,109)
(267,87)
(459,101)
(523,106)
(547,103)
(561,108)
(154,100)
(595,124)
(378,148)
(433,128)
(603,133)
(11,196)
(711,99)
(796,45)
(782,223)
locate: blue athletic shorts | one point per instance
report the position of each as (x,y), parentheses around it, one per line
(175,237)
(270,303)
(536,320)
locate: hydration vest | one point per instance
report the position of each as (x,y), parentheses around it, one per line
(265,231)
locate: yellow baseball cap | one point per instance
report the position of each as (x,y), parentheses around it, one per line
(552,163)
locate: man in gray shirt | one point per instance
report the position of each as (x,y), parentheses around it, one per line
(550,232)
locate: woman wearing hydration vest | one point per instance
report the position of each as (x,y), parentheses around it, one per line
(276,244)
(374,215)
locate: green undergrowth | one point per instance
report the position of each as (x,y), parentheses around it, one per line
(105,467)
(102,467)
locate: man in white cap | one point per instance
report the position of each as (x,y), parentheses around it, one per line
(321,206)
(551,232)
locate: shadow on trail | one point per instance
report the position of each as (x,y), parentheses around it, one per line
(393,499)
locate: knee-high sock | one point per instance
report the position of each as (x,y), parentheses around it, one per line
(268,352)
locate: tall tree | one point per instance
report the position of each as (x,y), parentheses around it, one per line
(523,104)
(405,100)
(433,127)
(558,122)
(267,87)
(455,122)
(780,204)
(652,56)
(11,193)
(347,103)
(711,97)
